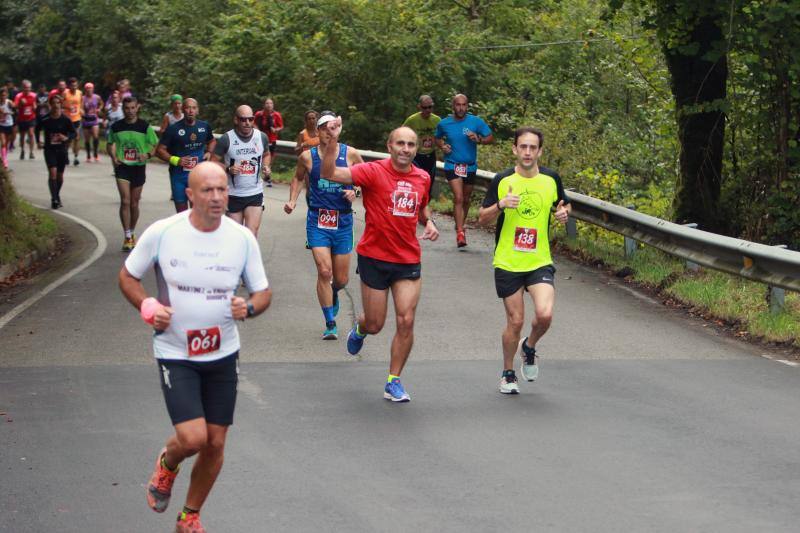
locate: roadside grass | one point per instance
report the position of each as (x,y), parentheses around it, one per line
(736,302)
(23,228)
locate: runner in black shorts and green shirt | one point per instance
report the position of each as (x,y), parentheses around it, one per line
(131,143)
(523,197)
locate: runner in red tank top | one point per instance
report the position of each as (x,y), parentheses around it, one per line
(396,200)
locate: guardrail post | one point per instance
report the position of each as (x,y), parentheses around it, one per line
(776,297)
(691,265)
(572,228)
(630,244)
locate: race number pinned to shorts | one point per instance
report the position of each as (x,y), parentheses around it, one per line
(131,154)
(525,239)
(328,219)
(404,203)
(460,170)
(203,341)
(191,162)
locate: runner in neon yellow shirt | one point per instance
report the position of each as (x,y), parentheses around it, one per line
(523,197)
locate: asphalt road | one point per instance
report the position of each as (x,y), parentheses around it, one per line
(642,419)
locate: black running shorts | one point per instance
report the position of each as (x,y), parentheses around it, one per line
(57,158)
(237,204)
(25,125)
(468,180)
(135,174)
(200,390)
(507,283)
(380,275)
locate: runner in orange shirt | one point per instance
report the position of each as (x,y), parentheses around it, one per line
(73,103)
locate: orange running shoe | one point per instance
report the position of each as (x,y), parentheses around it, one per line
(189,523)
(159,489)
(461,239)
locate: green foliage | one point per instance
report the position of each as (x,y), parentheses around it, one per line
(23,229)
(604,101)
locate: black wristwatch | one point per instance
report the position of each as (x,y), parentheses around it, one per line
(251,311)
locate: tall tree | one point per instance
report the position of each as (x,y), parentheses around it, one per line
(695,50)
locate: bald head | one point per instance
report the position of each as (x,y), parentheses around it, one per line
(402,131)
(460,106)
(190,110)
(206,171)
(208,192)
(402,146)
(244,121)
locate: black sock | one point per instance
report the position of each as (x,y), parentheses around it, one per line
(86,145)
(51,184)
(95,145)
(189,510)
(59,183)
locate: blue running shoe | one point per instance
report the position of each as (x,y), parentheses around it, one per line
(330,334)
(335,303)
(354,342)
(395,392)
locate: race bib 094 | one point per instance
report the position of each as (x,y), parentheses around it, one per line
(328,219)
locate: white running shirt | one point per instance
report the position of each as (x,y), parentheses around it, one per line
(197,275)
(247,153)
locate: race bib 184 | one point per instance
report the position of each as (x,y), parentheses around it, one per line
(525,239)
(203,341)
(404,203)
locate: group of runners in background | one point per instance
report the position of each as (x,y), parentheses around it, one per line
(202,254)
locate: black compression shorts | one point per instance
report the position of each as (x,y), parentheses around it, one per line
(200,390)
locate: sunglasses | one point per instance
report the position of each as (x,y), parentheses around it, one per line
(246,119)
(426,107)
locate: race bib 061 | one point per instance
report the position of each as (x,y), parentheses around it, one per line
(525,239)
(404,203)
(203,341)
(328,219)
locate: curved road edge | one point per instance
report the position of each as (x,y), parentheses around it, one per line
(102,244)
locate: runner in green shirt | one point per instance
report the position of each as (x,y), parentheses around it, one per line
(424,124)
(131,143)
(523,197)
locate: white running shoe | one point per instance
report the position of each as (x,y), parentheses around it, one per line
(508,383)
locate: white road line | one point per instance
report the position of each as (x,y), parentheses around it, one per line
(99,251)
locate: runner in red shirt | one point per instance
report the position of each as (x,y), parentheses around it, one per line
(270,122)
(396,200)
(25,104)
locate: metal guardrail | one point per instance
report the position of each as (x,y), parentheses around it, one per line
(772,265)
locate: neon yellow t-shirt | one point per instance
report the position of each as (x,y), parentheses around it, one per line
(425,129)
(522,241)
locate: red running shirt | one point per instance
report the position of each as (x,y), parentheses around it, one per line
(393,201)
(262,123)
(26,106)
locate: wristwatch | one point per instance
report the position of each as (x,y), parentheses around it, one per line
(251,310)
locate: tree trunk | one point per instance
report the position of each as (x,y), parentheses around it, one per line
(699,86)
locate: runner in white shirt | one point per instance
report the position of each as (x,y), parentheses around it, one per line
(241,151)
(198,256)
